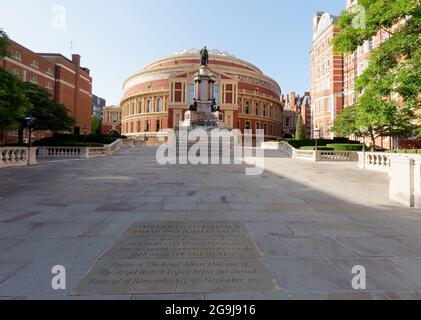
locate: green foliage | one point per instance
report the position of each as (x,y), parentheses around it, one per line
(394,69)
(96,125)
(346,147)
(13,102)
(72,140)
(346,122)
(4,44)
(405,151)
(49,115)
(300,131)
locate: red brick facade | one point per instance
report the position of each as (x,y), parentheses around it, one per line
(67,82)
(157,98)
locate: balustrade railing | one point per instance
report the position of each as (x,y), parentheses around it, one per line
(17,156)
(336,156)
(374,161)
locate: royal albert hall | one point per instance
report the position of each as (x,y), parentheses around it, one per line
(156,98)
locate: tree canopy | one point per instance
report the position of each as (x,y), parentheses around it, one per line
(49,114)
(13,102)
(390,87)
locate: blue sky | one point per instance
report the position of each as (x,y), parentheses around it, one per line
(118,38)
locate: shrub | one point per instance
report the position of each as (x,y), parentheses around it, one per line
(406,151)
(345,147)
(61,140)
(341,140)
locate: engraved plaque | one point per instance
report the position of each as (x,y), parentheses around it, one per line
(175,257)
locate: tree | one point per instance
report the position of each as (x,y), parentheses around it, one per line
(346,122)
(13,102)
(96,124)
(48,113)
(4,44)
(390,87)
(300,130)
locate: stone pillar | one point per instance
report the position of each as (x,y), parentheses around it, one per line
(401,177)
(417,183)
(32,156)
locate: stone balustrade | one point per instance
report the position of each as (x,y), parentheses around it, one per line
(374,161)
(310,155)
(61,152)
(336,155)
(84,152)
(305,155)
(17,156)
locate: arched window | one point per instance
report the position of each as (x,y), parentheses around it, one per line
(247,108)
(287,122)
(159,105)
(216,93)
(257,109)
(114,118)
(148,108)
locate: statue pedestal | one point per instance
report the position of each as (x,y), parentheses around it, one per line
(202,112)
(195,119)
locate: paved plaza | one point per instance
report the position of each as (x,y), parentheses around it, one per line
(300,226)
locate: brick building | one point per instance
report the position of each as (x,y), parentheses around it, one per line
(157,97)
(334,76)
(293,106)
(326,75)
(65,80)
(111,120)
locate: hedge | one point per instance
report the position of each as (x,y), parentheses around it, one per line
(61,140)
(406,151)
(345,147)
(318,148)
(51,143)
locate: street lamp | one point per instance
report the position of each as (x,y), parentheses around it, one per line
(363,132)
(85,132)
(316,136)
(30,121)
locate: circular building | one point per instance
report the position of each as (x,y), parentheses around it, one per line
(157,97)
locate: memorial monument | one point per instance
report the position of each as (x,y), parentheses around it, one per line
(204,111)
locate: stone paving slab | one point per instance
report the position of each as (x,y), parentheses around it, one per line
(175,276)
(182,248)
(309,222)
(193,229)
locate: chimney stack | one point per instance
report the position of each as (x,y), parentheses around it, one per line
(76,59)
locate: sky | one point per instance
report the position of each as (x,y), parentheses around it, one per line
(119,38)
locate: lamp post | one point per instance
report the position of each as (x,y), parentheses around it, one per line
(30,121)
(316,136)
(85,133)
(363,131)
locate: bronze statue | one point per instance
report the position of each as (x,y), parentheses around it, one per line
(204,57)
